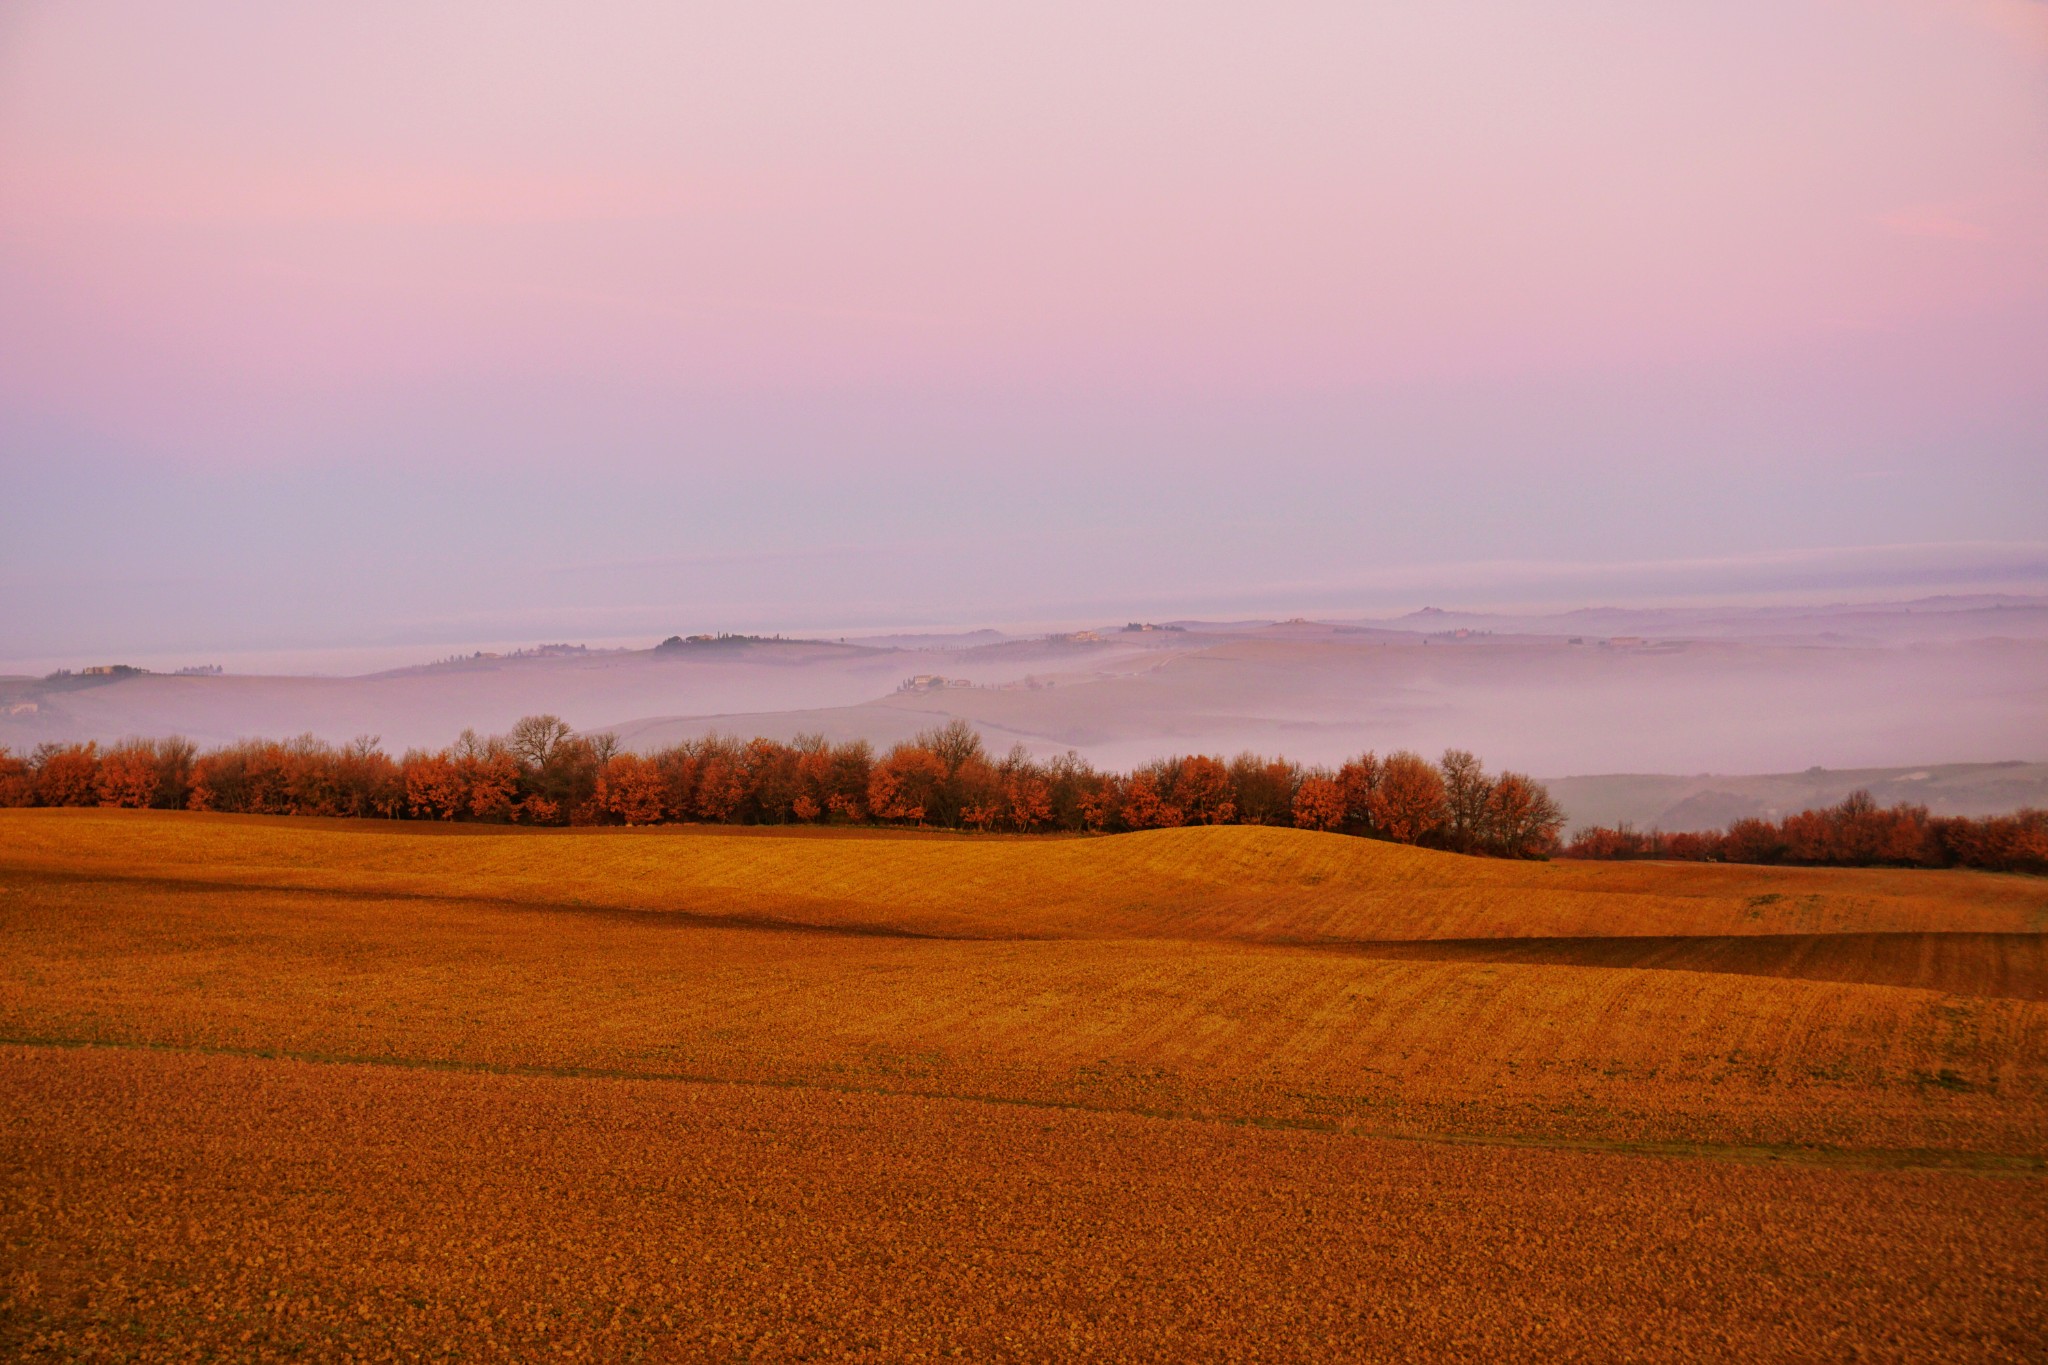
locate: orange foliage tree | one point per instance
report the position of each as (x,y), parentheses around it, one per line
(67,774)
(631,791)
(1319,803)
(906,784)
(1145,805)
(17,780)
(1408,804)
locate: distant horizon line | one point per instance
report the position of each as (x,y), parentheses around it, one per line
(393,656)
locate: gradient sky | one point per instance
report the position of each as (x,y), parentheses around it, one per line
(433,324)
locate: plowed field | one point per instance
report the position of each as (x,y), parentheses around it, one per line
(356,1090)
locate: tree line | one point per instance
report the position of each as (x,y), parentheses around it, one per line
(543,773)
(1857,832)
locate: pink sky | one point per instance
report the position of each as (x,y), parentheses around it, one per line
(1774,273)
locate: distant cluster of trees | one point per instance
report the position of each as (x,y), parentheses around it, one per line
(1856,833)
(545,774)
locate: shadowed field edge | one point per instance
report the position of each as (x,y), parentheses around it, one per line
(1842,957)
(2010,966)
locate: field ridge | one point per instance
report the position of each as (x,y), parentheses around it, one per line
(1244,883)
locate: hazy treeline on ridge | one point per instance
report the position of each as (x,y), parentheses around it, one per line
(543,773)
(1855,832)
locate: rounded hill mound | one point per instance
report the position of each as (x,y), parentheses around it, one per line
(1232,883)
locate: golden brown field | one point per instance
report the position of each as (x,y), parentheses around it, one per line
(354,1089)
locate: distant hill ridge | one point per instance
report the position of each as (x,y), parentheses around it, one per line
(1709,801)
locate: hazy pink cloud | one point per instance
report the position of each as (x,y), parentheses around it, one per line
(1947,222)
(2023,22)
(917,195)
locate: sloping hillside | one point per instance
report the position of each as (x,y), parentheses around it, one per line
(1227,883)
(1347,1058)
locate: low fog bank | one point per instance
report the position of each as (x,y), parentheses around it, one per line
(1711,801)
(1768,691)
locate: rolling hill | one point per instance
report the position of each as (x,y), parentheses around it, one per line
(407,1090)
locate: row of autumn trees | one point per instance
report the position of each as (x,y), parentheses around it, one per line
(1856,833)
(543,773)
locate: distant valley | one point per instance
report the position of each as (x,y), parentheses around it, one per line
(1942,701)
